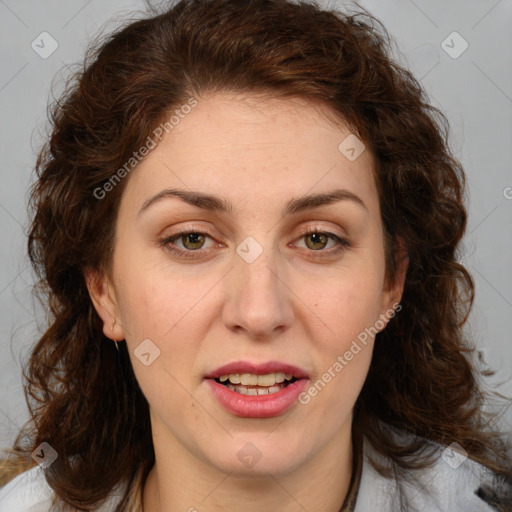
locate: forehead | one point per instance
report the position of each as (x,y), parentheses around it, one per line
(227,121)
(247,146)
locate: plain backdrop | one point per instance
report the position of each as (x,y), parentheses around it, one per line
(468,75)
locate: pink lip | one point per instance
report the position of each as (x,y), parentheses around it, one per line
(258,406)
(258,369)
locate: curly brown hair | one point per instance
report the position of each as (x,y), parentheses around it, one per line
(83,395)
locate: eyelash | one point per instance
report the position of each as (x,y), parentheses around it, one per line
(167,242)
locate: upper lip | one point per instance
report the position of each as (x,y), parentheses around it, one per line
(258,369)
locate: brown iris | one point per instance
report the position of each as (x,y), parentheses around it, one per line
(320,239)
(196,239)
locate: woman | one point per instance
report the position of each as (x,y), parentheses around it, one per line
(246,221)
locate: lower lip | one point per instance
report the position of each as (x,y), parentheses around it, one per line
(257,406)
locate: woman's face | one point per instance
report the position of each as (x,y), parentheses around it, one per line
(266,281)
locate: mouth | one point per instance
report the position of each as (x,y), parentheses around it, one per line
(258,391)
(255,385)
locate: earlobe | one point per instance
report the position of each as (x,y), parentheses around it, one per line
(103,298)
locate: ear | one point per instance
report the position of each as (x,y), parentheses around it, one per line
(392,293)
(103,297)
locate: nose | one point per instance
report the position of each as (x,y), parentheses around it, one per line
(258,298)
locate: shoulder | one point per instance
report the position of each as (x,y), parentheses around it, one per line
(28,492)
(453,482)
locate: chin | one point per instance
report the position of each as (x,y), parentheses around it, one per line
(258,457)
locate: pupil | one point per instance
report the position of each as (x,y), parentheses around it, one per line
(317,238)
(193,238)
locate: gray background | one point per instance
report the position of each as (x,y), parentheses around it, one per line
(473,90)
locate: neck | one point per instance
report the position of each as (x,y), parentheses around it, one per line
(180,481)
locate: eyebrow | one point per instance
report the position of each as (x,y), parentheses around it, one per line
(217,204)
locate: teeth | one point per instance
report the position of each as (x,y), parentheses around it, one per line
(255,391)
(280,377)
(251,379)
(252,384)
(267,380)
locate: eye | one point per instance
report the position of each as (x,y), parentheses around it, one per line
(192,240)
(317,240)
(192,243)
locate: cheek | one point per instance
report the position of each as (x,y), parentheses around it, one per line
(335,392)
(347,304)
(162,312)
(344,355)
(347,313)
(172,312)
(154,301)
